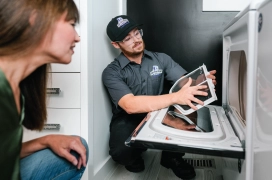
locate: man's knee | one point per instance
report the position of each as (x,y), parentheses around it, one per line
(122,155)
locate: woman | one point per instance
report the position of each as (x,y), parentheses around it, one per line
(33,34)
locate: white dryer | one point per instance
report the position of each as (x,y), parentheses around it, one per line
(242,127)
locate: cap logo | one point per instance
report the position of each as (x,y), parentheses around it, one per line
(122,22)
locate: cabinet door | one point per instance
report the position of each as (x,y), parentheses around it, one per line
(60,121)
(63,90)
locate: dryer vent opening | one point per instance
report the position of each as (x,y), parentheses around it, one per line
(237,84)
(201,163)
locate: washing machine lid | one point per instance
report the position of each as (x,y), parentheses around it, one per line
(221,141)
(199,77)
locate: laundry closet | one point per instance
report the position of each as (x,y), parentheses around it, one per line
(236,41)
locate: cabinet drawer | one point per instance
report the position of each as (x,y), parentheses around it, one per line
(63,90)
(68,121)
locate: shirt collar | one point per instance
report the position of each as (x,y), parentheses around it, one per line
(123,60)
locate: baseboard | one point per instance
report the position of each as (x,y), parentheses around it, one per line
(106,169)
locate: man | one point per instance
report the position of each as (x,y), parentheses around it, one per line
(135,81)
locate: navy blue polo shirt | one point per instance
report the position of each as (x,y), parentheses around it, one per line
(123,77)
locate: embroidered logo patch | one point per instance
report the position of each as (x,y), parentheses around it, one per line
(122,22)
(155,71)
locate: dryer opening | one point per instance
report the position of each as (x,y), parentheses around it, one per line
(198,121)
(237,83)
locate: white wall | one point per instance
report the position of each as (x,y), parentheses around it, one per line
(96,54)
(225,5)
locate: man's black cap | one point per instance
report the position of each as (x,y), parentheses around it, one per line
(119,27)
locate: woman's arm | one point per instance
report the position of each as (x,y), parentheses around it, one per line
(60,144)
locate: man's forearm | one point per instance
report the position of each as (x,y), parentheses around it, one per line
(141,104)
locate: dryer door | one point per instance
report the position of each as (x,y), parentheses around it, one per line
(209,132)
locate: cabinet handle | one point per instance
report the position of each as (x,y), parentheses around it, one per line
(53,91)
(51,127)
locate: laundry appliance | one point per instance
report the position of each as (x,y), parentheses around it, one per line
(241,129)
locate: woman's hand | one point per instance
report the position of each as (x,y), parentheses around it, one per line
(62,145)
(59,144)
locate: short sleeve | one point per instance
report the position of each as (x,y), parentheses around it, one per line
(115,84)
(173,71)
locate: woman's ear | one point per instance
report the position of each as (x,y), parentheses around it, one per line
(33,17)
(115,44)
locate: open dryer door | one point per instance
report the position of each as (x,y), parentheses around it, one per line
(216,136)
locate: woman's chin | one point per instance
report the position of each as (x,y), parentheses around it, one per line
(68,61)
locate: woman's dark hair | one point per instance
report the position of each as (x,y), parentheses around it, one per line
(24,24)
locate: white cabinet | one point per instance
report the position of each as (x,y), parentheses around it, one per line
(60,121)
(63,105)
(63,90)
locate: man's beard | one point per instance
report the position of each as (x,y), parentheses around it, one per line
(133,54)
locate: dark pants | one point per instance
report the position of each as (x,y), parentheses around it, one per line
(120,129)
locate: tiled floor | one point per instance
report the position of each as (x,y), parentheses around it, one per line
(154,171)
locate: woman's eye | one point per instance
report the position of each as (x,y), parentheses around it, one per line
(137,33)
(73,23)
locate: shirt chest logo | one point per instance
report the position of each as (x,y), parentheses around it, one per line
(155,71)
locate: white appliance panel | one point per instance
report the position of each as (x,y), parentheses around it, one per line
(262,141)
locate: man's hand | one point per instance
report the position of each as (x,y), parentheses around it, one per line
(187,93)
(62,145)
(212,76)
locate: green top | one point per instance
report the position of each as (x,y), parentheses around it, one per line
(10,131)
